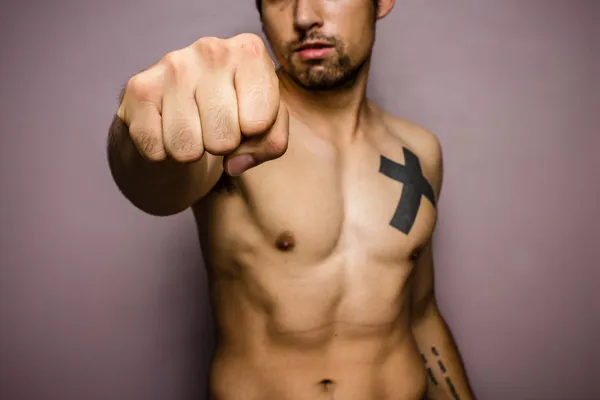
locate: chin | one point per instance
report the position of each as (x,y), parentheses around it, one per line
(316,77)
(328,74)
(317,82)
(327,79)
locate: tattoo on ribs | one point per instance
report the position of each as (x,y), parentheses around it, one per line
(429,370)
(415,187)
(442,367)
(452,388)
(432,377)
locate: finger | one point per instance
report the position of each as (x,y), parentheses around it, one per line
(257,149)
(182,135)
(140,111)
(216,98)
(256,85)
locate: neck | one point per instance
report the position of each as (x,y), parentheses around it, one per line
(332,113)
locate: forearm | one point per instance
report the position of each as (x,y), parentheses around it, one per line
(447,379)
(158,188)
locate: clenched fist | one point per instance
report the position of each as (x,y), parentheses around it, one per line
(219,96)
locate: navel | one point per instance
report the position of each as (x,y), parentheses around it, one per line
(328,386)
(285,241)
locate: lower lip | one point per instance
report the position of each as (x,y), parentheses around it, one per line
(314,53)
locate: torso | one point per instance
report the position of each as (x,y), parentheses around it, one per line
(309,279)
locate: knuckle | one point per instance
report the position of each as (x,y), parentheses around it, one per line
(251,44)
(139,86)
(212,49)
(174,62)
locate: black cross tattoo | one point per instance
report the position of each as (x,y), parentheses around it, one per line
(415,186)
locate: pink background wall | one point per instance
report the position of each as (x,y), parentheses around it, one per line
(99,301)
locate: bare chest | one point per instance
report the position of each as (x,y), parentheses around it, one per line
(372,203)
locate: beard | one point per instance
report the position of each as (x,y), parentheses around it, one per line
(336,71)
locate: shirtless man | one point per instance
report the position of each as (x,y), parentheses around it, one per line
(315,208)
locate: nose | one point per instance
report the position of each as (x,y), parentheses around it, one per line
(308,14)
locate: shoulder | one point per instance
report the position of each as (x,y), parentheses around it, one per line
(420,141)
(418,138)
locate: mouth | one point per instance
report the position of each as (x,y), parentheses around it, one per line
(312,45)
(313,50)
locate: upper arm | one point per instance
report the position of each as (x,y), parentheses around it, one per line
(422,285)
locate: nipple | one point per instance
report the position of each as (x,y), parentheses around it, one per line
(285,241)
(414,256)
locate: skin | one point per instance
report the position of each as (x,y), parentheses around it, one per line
(315,293)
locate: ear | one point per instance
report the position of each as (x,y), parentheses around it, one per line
(384,7)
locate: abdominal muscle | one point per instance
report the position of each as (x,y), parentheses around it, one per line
(256,359)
